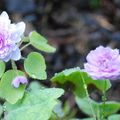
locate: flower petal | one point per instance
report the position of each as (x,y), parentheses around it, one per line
(17,31)
(16,54)
(6,59)
(19,80)
(5,18)
(5,15)
(15,83)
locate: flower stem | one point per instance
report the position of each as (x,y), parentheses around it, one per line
(25,46)
(104,98)
(14,66)
(88,97)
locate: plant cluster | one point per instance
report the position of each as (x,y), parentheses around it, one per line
(25,100)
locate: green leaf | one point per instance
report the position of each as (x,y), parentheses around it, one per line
(58,110)
(2,68)
(37,105)
(25,39)
(35,66)
(39,42)
(7,91)
(35,85)
(109,108)
(84,105)
(114,117)
(1,110)
(74,76)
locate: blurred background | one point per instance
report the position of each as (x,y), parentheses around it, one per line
(73,27)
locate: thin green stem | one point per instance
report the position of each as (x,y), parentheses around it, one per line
(88,97)
(104,98)
(25,46)
(14,66)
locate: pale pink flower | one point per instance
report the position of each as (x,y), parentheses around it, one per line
(19,80)
(10,36)
(103,63)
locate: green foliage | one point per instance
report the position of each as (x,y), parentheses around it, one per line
(2,68)
(40,103)
(25,39)
(34,85)
(7,91)
(1,110)
(36,105)
(109,108)
(39,42)
(114,117)
(58,109)
(35,66)
(84,105)
(75,76)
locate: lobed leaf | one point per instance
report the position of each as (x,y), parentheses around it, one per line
(36,105)
(75,76)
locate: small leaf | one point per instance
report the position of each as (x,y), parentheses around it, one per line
(37,105)
(39,42)
(84,105)
(110,107)
(7,91)
(114,117)
(75,76)
(34,36)
(2,68)
(35,66)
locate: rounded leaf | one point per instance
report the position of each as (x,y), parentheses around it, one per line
(39,42)
(7,91)
(35,66)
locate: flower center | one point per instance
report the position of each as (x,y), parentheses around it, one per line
(105,65)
